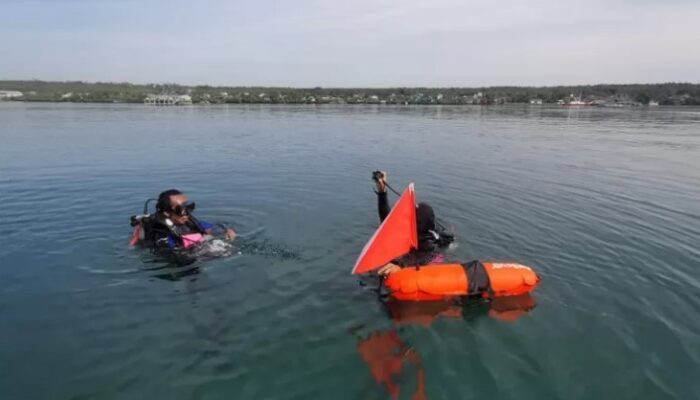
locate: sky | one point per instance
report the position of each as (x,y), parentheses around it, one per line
(352,43)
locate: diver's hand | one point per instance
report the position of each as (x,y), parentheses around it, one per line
(390,268)
(230,234)
(381,182)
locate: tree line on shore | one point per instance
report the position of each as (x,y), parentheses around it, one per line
(662,93)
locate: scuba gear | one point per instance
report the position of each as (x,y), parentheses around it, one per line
(183,209)
(145,205)
(172,232)
(156,230)
(441,236)
(136,219)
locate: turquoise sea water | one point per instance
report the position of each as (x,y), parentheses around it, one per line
(602,203)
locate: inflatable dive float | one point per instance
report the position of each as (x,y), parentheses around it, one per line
(397,236)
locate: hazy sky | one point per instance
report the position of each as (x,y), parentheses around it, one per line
(371,43)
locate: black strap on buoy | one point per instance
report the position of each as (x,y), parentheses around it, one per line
(477,278)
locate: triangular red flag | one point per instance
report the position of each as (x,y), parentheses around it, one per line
(396,236)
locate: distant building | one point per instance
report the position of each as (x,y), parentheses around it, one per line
(653,103)
(9,94)
(536,101)
(168,100)
(183,100)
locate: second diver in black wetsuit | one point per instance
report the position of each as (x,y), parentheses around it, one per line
(433,238)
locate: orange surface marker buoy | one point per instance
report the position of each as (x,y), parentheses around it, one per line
(438,281)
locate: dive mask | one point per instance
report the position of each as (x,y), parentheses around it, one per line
(183,209)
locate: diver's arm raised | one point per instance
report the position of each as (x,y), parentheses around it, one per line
(382,198)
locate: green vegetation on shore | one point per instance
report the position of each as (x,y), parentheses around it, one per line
(82,92)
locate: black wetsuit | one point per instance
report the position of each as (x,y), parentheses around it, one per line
(432,238)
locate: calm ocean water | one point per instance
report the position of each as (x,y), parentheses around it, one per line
(602,203)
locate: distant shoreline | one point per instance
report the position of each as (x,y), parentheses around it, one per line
(607,95)
(392,105)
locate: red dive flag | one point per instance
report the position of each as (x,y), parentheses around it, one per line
(396,236)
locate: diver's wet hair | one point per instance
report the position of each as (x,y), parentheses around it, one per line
(164,199)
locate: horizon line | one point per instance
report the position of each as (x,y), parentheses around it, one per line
(345,87)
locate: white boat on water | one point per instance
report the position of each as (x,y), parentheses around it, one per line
(576,102)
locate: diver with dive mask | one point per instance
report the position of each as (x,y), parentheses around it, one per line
(172,226)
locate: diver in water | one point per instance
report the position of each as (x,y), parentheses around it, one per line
(432,236)
(172,226)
